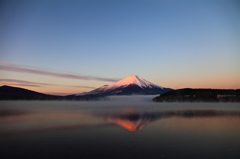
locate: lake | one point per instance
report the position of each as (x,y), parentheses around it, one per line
(121,128)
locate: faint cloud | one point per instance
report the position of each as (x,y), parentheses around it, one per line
(81,86)
(8,67)
(22,85)
(34,84)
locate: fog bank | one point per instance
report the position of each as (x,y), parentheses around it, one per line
(132,98)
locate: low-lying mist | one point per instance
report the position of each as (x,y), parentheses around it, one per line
(112,102)
(132,98)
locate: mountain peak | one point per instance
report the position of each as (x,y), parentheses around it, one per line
(132,76)
(134,79)
(133,84)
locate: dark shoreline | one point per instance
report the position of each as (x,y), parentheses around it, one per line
(199,95)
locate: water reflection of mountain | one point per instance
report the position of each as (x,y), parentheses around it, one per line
(135,120)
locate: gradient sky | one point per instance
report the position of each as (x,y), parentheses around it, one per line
(71,46)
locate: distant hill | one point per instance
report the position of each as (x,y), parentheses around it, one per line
(16,93)
(199,95)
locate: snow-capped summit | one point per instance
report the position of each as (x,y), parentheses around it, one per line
(129,85)
(133,80)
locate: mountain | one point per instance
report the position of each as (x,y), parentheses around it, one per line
(199,95)
(128,86)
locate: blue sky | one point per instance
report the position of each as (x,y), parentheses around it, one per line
(172,43)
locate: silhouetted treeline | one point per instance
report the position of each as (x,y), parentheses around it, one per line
(199,95)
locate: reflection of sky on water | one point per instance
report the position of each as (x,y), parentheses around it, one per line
(17,121)
(24,121)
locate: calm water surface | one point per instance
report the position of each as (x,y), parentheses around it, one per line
(119,129)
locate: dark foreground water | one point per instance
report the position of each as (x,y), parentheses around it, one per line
(119,129)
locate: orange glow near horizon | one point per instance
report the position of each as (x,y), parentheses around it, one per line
(207,82)
(63,90)
(60,86)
